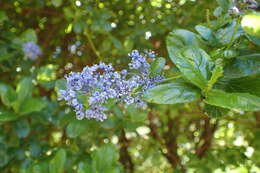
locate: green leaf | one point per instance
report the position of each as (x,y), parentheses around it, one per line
(239,101)
(230,53)
(3,16)
(224,35)
(195,65)
(29,36)
(255,40)
(7,94)
(56,3)
(24,88)
(243,66)
(105,157)
(24,91)
(39,167)
(179,39)
(4,158)
(84,167)
(158,65)
(79,26)
(5,54)
(216,74)
(60,84)
(6,115)
(248,84)
(57,164)
(117,43)
(172,93)
(215,111)
(205,32)
(46,75)
(76,128)
(32,105)
(22,128)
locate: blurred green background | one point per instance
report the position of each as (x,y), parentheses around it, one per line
(38,134)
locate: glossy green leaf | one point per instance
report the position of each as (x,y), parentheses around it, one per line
(224,35)
(243,66)
(248,84)
(216,73)
(57,164)
(178,39)
(255,40)
(172,93)
(195,65)
(32,105)
(239,101)
(204,31)
(157,65)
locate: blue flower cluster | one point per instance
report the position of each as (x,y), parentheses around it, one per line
(31,50)
(101,83)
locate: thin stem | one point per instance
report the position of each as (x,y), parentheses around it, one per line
(171,78)
(92,45)
(234,34)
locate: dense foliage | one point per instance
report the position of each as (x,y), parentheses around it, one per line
(202,100)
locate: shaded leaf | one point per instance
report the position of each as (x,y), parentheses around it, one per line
(249,85)
(22,128)
(57,164)
(32,105)
(76,128)
(157,65)
(239,101)
(101,163)
(7,94)
(7,116)
(29,36)
(215,111)
(255,40)
(243,66)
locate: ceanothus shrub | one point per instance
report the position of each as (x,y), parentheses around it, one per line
(100,83)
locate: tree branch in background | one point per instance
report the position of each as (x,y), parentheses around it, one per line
(125,157)
(169,139)
(206,137)
(257,118)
